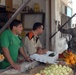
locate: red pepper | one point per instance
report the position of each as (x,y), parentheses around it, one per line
(61,55)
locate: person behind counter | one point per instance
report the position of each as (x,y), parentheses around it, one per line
(32,42)
(72,42)
(10,44)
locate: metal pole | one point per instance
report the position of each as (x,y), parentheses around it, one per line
(63,25)
(14,15)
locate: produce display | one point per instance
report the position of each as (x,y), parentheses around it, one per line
(1,57)
(55,70)
(68,57)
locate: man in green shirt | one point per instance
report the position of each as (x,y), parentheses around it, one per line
(10,44)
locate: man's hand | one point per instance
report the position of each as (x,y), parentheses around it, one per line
(24,54)
(8,57)
(40,51)
(28,59)
(15,66)
(44,50)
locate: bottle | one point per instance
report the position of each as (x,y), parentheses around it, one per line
(36,7)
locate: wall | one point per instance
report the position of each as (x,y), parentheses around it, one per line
(57,21)
(17,3)
(2,2)
(53,27)
(47,25)
(67,2)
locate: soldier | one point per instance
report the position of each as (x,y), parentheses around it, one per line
(72,42)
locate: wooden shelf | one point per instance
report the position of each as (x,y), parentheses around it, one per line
(42,14)
(33,13)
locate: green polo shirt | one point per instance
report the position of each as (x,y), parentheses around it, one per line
(13,43)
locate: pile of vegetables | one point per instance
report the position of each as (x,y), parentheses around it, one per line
(69,57)
(55,70)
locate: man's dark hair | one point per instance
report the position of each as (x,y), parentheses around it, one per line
(15,23)
(37,25)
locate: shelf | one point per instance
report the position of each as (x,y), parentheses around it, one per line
(32,17)
(33,13)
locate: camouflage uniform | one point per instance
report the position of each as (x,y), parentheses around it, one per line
(72,42)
